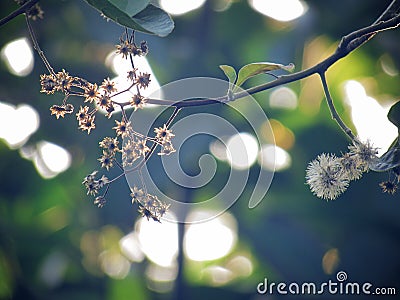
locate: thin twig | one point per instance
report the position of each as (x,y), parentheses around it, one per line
(333,110)
(37,48)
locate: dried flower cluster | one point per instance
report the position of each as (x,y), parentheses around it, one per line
(329,176)
(149,205)
(135,147)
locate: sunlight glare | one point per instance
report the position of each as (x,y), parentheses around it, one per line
(242,150)
(159,242)
(210,240)
(180,7)
(274,158)
(18,56)
(369,117)
(280,10)
(17,124)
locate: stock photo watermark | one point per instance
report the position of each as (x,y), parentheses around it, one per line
(340,286)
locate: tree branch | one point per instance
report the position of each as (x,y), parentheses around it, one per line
(18,12)
(389,19)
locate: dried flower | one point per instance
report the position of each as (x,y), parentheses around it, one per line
(90,178)
(364,152)
(124,48)
(82,114)
(103,101)
(143,80)
(91,93)
(351,166)
(144,48)
(122,129)
(109,110)
(129,153)
(61,110)
(138,101)
(48,83)
(108,86)
(132,74)
(100,201)
(107,159)
(136,51)
(103,181)
(64,81)
(162,209)
(110,144)
(87,124)
(167,149)
(92,185)
(142,147)
(388,187)
(145,212)
(163,134)
(326,178)
(137,195)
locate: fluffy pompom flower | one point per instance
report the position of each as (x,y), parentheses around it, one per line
(326,178)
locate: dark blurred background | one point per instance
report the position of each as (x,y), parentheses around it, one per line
(55,244)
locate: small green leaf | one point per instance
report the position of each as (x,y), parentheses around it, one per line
(229,72)
(136,14)
(389,160)
(394,114)
(253,69)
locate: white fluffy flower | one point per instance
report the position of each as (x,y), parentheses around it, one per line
(326,177)
(364,152)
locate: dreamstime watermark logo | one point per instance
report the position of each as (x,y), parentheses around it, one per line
(340,286)
(169,176)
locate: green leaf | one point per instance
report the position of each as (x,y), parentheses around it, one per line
(136,14)
(155,20)
(230,72)
(394,114)
(131,8)
(254,69)
(389,160)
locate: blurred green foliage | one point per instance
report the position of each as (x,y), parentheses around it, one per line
(288,234)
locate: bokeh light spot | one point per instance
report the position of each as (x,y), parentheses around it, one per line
(130,247)
(274,158)
(330,261)
(159,242)
(280,10)
(18,56)
(210,240)
(180,7)
(283,97)
(242,150)
(114,264)
(17,124)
